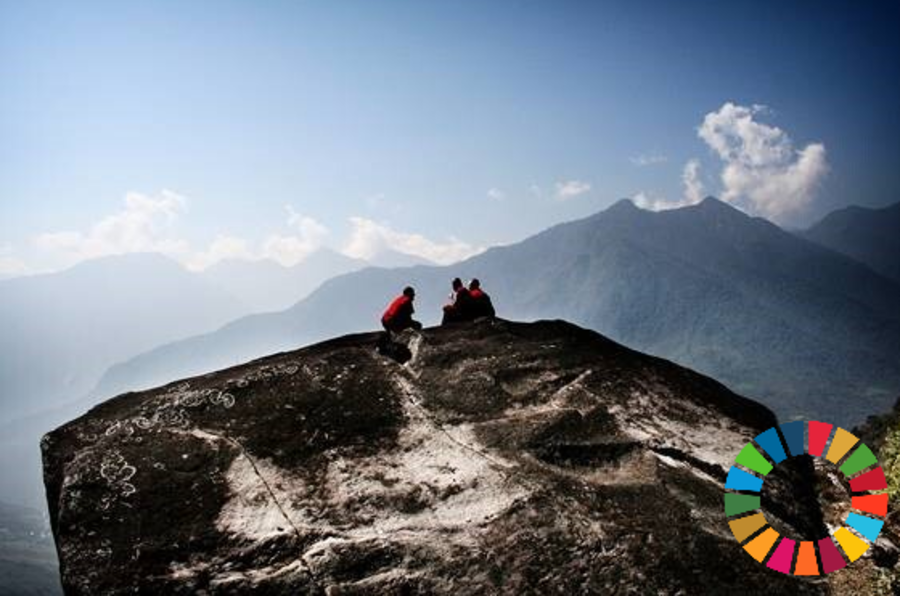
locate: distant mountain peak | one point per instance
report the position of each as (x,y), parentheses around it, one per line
(711,203)
(868,235)
(625,204)
(683,284)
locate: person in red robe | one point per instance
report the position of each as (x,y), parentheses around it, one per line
(398,315)
(481,302)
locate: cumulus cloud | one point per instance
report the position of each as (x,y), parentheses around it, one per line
(309,235)
(147,224)
(764,173)
(693,185)
(369,239)
(144,224)
(651,202)
(650,159)
(496,194)
(223,247)
(571,188)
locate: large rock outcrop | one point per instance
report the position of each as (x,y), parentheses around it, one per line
(500,458)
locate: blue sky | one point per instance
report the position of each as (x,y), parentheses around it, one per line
(432,127)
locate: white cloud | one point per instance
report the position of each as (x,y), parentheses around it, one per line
(693,191)
(693,185)
(571,188)
(286,249)
(145,224)
(652,202)
(222,248)
(10,265)
(369,239)
(764,173)
(650,159)
(536,190)
(292,249)
(496,194)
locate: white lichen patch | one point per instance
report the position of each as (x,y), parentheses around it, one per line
(171,411)
(208,437)
(704,437)
(569,396)
(118,474)
(255,510)
(438,480)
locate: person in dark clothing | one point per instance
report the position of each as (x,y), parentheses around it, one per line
(398,315)
(460,307)
(481,302)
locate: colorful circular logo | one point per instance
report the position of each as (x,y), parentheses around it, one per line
(859,530)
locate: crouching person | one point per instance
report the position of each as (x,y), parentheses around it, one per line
(398,315)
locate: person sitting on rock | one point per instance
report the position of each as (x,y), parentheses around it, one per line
(460,307)
(398,315)
(481,302)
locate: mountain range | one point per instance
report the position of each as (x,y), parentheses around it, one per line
(61,331)
(266,285)
(805,322)
(871,236)
(802,328)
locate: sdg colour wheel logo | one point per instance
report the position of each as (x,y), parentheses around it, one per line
(749,525)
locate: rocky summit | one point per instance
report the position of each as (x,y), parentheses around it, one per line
(493,457)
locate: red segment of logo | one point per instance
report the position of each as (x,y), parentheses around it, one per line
(832,560)
(874,504)
(872,480)
(818,436)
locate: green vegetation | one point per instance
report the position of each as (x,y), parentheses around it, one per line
(890,461)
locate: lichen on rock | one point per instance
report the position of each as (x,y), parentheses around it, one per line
(499,458)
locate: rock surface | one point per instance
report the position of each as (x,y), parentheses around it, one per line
(501,458)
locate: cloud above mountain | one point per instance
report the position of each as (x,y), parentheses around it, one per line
(369,239)
(568,189)
(144,224)
(154,223)
(693,185)
(763,173)
(306,236)
(693,191)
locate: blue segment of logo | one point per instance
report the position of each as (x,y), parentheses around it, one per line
(793,435)
(770,441)
(741,480)
(866,526)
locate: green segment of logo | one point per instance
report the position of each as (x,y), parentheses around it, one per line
(736,503)
(754,460)
(861,458)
